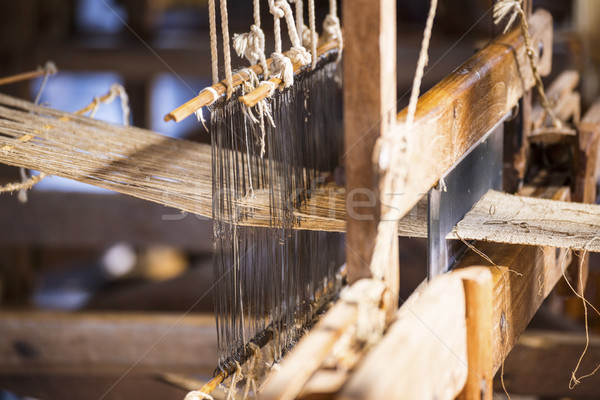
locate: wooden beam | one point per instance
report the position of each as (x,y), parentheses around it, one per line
(369,112)
(540,365)
(479,304)
(429,326)
(560,89)
(309,354)
(97,220)
(523,278)
(109,343)
(454,115)
(105,386)
(586,156)
(584,186)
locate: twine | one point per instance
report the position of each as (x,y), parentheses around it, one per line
(512,9)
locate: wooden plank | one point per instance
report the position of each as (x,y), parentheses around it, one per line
(561,88)
(505,218)
(584,186)
(103,342)
(308,355)
(429,326)
(523,278)
(586,156)
(540,365)
(479,303)
(105,386)
(97,220)
(369,112)
(516,131)
(453,115)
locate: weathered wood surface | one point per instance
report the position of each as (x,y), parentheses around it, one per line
(586,156)
(429,326)
(478,287)
(559,90)
(541,362)
(97,342)
(523,277)
(505,218)
(454,114)
(308,355)
(369,112)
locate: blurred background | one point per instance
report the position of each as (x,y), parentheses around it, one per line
(93,284)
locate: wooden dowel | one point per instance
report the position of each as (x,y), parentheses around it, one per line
(49,69)
(263,91)
(206,98)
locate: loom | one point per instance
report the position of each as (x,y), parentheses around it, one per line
(278,140)
(268,182)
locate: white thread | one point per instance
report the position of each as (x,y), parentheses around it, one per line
(114,91)
(299,18)
(198,395)
(214,57)
(332,30)
(313,32)
(226,50)
(299,55)
(199,114)
(282,68)
(252,44)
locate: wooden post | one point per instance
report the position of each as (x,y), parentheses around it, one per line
(516,145)
(584,187)
(478,286)
(369,111)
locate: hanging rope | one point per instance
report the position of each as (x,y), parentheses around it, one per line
(512,9)
(387,227)
(282,66)
(252,44)
(332,29)
(226,49)
(214,56)
(313,32)
(27,182)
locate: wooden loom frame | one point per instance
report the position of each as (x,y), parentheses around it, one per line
(494,303)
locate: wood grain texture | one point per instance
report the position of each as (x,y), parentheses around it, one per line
(516,297)
(561,88)
(80,342)
(586,156)
(369,111)
(478,288)
(308,355)
(429,326)
(454,114)
(98,220)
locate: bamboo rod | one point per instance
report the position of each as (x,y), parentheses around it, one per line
(263,91)
(206,97)
(49,69)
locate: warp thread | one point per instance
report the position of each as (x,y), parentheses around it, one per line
(574,381)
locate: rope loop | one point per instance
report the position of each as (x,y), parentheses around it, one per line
(282,68)
(277,8)
(250,45)
(299,54)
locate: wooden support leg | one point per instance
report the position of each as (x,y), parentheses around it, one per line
(478,309)
(369,112)
(584,188)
